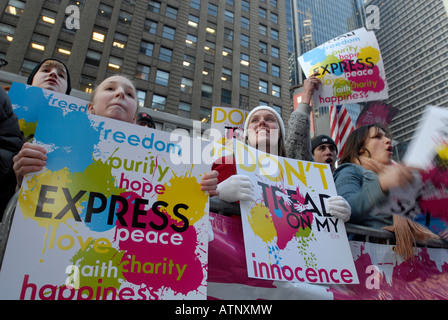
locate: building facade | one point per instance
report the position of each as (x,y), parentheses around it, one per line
(185,56)
(413,37)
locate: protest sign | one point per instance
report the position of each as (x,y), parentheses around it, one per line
(28,100)
(288,234)
(228,121)
(109,217)
(350,67)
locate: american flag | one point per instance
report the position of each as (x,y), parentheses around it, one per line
(341,126)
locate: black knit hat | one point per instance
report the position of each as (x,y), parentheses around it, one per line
(144,117)
(33,73)
(320,140)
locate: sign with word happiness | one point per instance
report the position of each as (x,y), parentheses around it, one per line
(288,234)
(350,67)
(109,217)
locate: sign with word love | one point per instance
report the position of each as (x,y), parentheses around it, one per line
(350,67)
(109,217)
(288,234)
(28,100)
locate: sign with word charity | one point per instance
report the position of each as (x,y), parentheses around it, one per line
(288,235)
(109,217)
(350,67)
(28,100)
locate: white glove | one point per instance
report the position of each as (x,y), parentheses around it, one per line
(236,188)
(338,207)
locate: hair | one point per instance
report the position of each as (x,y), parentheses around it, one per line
(118,75)
(356,140)
(51,62)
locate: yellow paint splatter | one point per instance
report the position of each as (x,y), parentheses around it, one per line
(185,190)
(261,223)
(442,152)
(369,52)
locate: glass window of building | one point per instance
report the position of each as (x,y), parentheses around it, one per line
(212,10)
(98,36)
(226,74)
(227,52)
(273,3)
(244,80)
(230,2)
(276,90)
(263,30)
(211,28)
(275,70)
(162,77)
(120,40)
(278,109)
(244,40)
(146,48)
(245,5)
(206,90)
(205,114)
(171,12)
(228,16)
(263,86)
(245,23)
(38,42)
(165,54)
(226,96)
(125,18)
(184,109)
(86,83)
(244,59)
(274,17)
(6,32)
(191,41)
(158,102)
(105,11)
(263,66)
(93,58)
(228,34)
(275,52)
(142,72)
(195,4)
(47,17)
(141,97)
(150,26)
(193,21)
(189,62)
(15,7)
(154,6)
(168,32)
(63,48)
(262,13)
(209,47)
(27,67)
(115,64)
(186,85)
(263,46)
(274,34)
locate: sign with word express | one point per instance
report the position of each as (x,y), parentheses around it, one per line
(350,67)
(28,100)
(109,217)
(288,235)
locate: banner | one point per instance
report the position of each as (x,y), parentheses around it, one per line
(376,112)
(383,275)
(350,67)
(28,100)
(288,234)
(109,217)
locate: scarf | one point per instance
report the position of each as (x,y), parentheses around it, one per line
(407,232)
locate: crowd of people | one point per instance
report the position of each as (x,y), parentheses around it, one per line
(364,176)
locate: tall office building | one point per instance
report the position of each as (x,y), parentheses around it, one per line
(413,37)
(184,56)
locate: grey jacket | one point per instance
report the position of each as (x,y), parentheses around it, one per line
(361,188)
(298,142)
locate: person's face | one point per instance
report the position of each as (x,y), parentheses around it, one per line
(263,131)
(145,124)
(379,146)
(52,76)
(325,153)
(115,98)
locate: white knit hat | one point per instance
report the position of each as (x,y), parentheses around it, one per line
(279,120)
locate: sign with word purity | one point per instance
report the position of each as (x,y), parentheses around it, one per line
(288,234)
(350,67)
(109,217)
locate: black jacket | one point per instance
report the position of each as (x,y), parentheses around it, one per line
(10,144)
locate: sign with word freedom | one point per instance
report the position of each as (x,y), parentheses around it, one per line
(109,217)
(350,67)
(28,100)
(288,235)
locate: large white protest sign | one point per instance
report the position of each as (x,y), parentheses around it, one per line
(350,67)
(288,235)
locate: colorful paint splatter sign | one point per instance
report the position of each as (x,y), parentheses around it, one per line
(288,234)
(109,217)
(350,67)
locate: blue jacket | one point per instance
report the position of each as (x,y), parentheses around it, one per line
(361,188)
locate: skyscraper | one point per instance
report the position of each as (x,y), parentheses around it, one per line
(413,37)
(184,56)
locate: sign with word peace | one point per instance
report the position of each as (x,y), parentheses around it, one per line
(350,67)
(28,100)
(288,234)
(109,217)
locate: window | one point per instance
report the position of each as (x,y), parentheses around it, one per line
(154,6)
(262,13)
(191,41)
(263,66)
(38,42)
(86,84)
(150,26)
(7,32)
(212,10)
(146,48)
(93,58)
(27,67)
(15,7)
(244,59)
(105,11)
(141,97)
(125,18)
(245,5)
(184,110)
(244,41)
(226,74)
(186,85)
(98,36)
(228,34)
(171,12)
(193,21)
(206,90)
(274,18)
(263,86)
(165,54)
(263,30)
(48,17)
(143,72)
(274,34)
(114,64)
(227,52)
(195,4)
(263,47)
(245,23)
(189,62)
(209,47)
(168,33)
(276,91)
(244,80)
(162,77)
(120,40)
(228,16)
(275,52)
(274,3)
(208,68)
(158,102)
(275,71)
(226,96)
(205,114)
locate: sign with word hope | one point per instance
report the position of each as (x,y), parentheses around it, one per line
(228,121)
(109,217)
(350,67)
(28,100)
(288,234)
